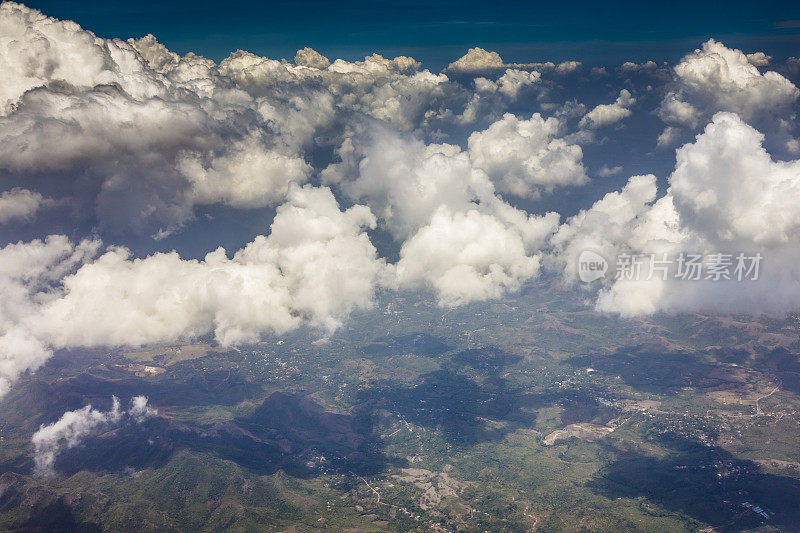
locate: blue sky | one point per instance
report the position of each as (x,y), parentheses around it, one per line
(593,32)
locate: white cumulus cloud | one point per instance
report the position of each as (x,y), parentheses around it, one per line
(20,203)
(607,114)
(726,196)
(717,78)
(315,266)
(74,427)
(476,60)
(526,157)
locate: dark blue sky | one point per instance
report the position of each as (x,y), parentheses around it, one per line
(593,32)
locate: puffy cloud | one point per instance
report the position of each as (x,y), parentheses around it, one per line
(611,224)
(675,111)
(19,352)
(37,50)
(156,133)
(96,125)
(565,67)
(759,59)
(466,256)
(308,57)
(248,176)
(76,426)
(668,137)
(423,192)
(727,187)
(717,78)
(20,204)
(630,66)
(153,160)
(139,410)
(477,60)
(525,157)
(607,114)
(391,90)
(27,271)
(509,84)
(315,266)
(394,90)
(606,171)
(403,180)
(726,196)
(514,80)
(191,71)
(568,66)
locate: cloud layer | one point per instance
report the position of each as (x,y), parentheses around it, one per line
(463,171)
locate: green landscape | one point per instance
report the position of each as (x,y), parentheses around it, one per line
(546,417)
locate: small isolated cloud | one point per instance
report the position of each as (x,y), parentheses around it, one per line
(630,66)
(606,171)
(759,59)
(477,60)
(668,138)
(607,114)
(20,204)
(565,67)
(678,112)
(74,427)
(568,66)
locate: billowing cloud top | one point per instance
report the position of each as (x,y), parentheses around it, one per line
(124,142)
